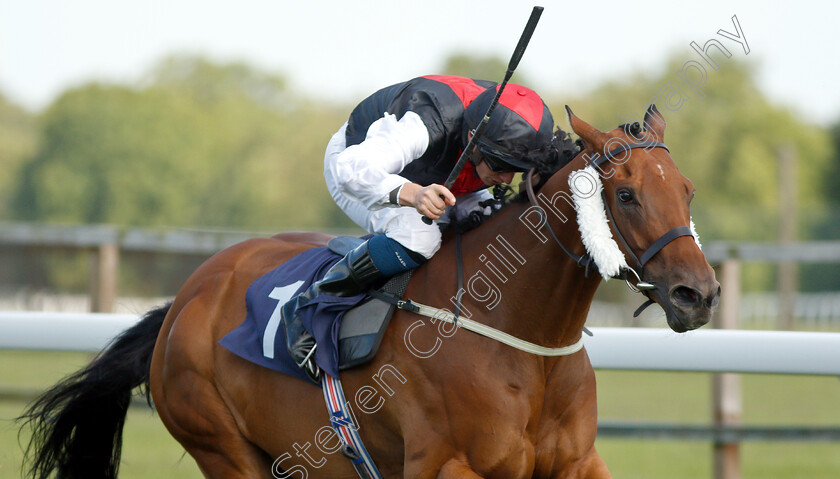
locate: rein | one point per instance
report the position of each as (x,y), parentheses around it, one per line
(586,261)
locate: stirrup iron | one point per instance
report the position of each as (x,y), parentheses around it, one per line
(303,362)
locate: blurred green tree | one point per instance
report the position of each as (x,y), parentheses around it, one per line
(203,144)
(18,141)
(481,68)
(199,144)
(727,143)
(830,226)
(826,223)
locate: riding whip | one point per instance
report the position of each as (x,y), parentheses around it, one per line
(514,62)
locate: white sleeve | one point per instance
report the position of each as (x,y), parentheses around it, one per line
(367,172)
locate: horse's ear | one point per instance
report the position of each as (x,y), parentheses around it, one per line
(655,122)
(592,138)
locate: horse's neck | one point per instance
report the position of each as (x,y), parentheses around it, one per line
(543,295)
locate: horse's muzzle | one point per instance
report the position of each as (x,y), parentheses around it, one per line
(692,306)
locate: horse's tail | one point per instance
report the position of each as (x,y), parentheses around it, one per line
(77,425)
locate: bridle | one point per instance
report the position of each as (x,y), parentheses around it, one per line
(585,261)
(639,262)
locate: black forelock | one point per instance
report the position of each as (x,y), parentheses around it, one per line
(633,129)
(562,150)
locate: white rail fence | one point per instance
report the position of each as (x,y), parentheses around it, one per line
(105,244)
(721,352)
(648,349)
(813,311)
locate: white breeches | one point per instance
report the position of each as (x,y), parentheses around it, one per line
(403,224)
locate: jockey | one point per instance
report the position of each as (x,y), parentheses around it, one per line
(384,167)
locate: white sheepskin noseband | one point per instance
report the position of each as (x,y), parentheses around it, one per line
(595,232)
(597,238)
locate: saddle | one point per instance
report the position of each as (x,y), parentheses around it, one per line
(352,327)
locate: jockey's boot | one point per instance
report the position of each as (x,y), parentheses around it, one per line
(352,275)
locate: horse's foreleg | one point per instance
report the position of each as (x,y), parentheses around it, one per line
(595,467)
(457,469)
(590,466)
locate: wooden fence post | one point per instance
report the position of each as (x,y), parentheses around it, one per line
(726,388)
(788,270)
(104,273)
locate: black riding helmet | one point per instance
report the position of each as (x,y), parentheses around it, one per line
(520,124)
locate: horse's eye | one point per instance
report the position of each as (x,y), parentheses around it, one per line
(625,196)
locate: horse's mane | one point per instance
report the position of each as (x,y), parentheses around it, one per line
(548,160)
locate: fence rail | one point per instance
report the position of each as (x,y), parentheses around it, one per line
(719,434)
(164,240)
(646,349)
(722,352)
(716,351)
(204,242)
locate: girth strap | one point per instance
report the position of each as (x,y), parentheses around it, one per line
(459,261)
(346,429)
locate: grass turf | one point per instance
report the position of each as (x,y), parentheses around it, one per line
(150,452)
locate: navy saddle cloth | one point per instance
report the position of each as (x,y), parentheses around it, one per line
(348,329)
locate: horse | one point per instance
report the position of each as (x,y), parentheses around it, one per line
(435,401)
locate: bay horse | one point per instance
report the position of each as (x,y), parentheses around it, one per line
(434,402)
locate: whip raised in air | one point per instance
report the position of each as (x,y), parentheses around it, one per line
(514,62)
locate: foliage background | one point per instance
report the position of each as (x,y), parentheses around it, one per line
(199,144)
(194,143)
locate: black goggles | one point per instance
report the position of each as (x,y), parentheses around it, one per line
(498,165)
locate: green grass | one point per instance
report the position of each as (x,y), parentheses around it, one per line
(148,449)
(686,398)
(150,452)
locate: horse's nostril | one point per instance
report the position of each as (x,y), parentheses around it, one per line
(713,300)
(685,296)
